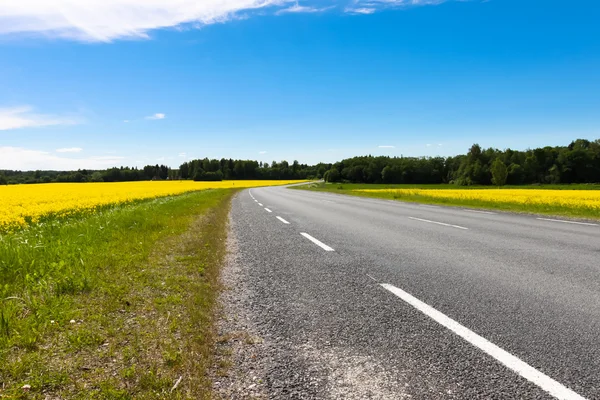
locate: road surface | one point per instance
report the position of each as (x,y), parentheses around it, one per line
(365,298)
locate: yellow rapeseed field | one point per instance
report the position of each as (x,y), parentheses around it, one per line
(580,200)
(23,204)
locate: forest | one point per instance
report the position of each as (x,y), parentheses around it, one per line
(579,162)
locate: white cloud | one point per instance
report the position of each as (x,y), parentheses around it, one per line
(372,6)
(428,145)
(160,159)
(387,147)
(157,116)
(23,117)
(126,120)
(296,8)
(69,150)
(182,155)
(262,152)
(18,158)
(108,20)
(360,10)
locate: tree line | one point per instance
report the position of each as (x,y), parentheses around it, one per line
(579,162)
(121,174)
(208,170)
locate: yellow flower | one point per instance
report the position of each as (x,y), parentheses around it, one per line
(569,199)
(23,204)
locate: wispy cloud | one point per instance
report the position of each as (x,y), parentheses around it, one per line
(126,120)
(109,20)
(157,116)
(69,150)
(387,147)
(183,155)
(296,8)
(23,159)
(262,152)
(24,117)
(359,10)
(372,6)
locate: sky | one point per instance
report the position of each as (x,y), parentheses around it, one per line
(102,83)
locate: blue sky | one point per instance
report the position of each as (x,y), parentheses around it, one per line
(136,82)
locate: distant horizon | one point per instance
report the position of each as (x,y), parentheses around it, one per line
(177,166)
(146,82)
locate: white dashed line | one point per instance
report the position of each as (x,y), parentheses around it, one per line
(481,212)
(438,223)
(317,242)
(267,210)
(548,384)
(260,204)
(283,220)
(567,222)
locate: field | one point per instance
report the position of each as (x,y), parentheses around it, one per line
(107,290)
(24,204)
(580,201)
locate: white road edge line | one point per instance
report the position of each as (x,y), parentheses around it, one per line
(267,210)
(438,223)
(317,242)
(283,220)
(428,205)
(480,212)
(567,222)
(548,384)
(260,204)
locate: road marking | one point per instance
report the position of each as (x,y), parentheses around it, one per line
(567,222)
(260,204)
(548,384)
(283,220)
(480,212)
(267,210)
(317,242)
(256,200)
(328,201)
(428,205)
(438,223)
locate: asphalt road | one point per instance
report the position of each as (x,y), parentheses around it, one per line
(397,300)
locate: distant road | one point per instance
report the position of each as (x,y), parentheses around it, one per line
(366,298)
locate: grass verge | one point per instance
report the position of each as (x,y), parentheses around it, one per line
(553,209)
(117,305)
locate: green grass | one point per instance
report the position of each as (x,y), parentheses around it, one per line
(336,187)
(115,305)
(554,210)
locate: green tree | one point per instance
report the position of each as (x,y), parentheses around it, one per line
(97,177)
(333,175)
(499,172)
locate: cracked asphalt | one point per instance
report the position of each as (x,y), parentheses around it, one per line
(329,330)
